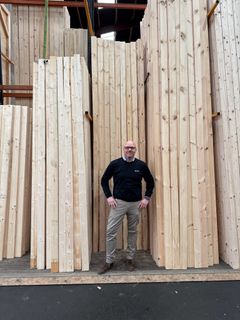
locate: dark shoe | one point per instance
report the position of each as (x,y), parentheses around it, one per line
(105,268)
(130,265)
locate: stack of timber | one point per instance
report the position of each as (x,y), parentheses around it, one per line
(118,116)
(15,180)
(76,42)
(27,40)
(5,45)
(224,28)
(183,226)
(61,166)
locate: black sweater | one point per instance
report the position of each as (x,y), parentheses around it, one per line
(127,180)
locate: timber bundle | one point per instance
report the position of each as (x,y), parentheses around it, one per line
(118,116)
(61,160)
(15,180)
(180,147)
(225,70)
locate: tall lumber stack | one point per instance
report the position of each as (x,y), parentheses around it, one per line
(224,29)
(15,180)
(61,166)
(179,130)
(5,33)
(76,42)
(27,40)
(118,116)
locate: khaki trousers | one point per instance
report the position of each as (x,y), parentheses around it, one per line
(115,219)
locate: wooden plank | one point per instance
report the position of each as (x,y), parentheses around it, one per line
(61,157)
(41,166)
(175,107)
(24,61)
(117,90)
(227,232)
(154,129)
(112,106)
(5,160)
(165,138)
(5,46)
(13,185)
(234,108)
(231,134)
(124,126)
(21,209)
(52,257)
(135,128)
(33,246)
(84,205)
(235,51)
(193,184)
(15,44)
(55,36)
(141,132)
(106,125)
(102,199)
(86,252)
(183,137)
(65,169)
(78,154)
(68,42)
(27,187)
(200,218)
(96,144)
(128,93)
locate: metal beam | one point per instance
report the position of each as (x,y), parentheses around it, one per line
(210,13)
(89,21)
(15,87)
(76,4)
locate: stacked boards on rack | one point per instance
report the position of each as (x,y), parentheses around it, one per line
(15,180)
(5,44)
(75,42)
(179,129)
(61,166)
(27,40)
(118,116)
(224,30)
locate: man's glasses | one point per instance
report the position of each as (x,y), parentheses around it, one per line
(130,148)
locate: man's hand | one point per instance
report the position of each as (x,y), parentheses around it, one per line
(143,204)
(111,202)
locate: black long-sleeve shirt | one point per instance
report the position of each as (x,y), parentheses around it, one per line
(127,180)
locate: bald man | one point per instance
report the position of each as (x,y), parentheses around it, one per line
(127,173)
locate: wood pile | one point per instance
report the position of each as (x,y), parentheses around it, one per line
(118,116)
(61,166)
(27,41)
(15,180)
(5,32)
(224,29)
(183,226)
(76,42)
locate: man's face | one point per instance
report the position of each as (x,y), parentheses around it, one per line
(129,150)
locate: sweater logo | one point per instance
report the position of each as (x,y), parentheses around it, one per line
(136,170)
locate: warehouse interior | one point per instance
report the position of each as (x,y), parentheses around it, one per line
(169,80)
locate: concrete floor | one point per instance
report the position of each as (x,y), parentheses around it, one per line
(149,301)
(17,272)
